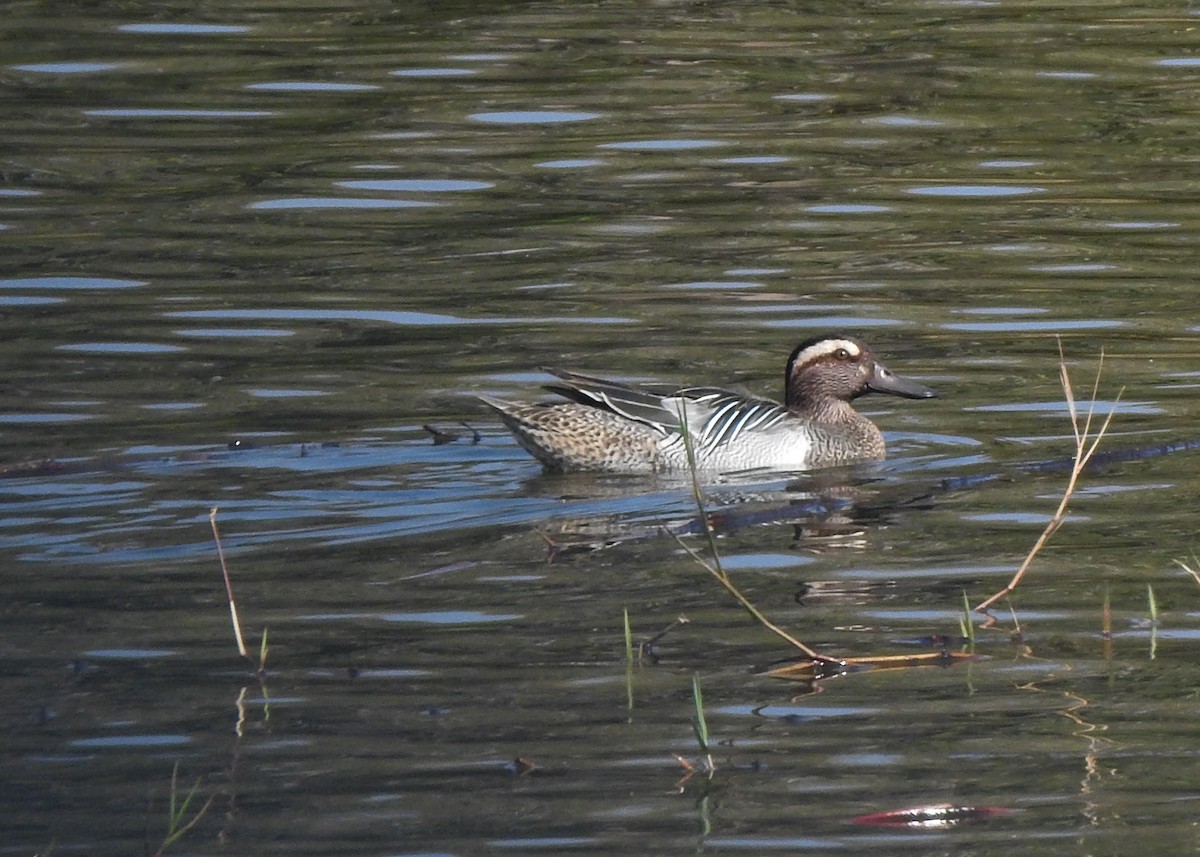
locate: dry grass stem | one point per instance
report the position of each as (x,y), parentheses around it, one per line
(237,625)
(1192,571)
(1085,447)
(723,578)
(715,568)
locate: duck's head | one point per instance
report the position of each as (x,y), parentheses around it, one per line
(843,368)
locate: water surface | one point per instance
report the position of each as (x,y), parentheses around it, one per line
(250,251)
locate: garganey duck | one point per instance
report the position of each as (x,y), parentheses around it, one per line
(609,427)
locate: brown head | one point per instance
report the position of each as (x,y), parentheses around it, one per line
(829,369)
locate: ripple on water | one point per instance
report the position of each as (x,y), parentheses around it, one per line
(541,842)
(974,190)
(756,159)
(155,29)
(480,57)
(68,67)
(129,654)
(1074,268)
(126,741)
(570,164)
(400,317)
(231,332)
(805,97)
(847,208)
(664,145)
(898,121)
(29,300)
(434,72)
(1066,75)
(1102,407)
(533,117)
(715,285)
(1143,224)
(442,617)
(1028,325)
(310,86)
(832,322)
(1001,310)
(284,393)
(311,202)
(36,419)
(420,185)
(764,561)
(795,712)
(120,348)
(168,113)
(69,283)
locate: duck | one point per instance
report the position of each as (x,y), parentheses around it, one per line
(612,427)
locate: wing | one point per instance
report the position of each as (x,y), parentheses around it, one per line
(642,404)
(714,416)
(721,417)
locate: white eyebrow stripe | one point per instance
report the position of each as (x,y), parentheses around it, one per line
(826,348)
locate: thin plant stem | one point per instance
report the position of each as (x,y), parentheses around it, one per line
(1085,447)
(263,649)
(699,723)
(715,568)
(628,662)
(968,625)
(724,580)
(1188,568)
(237,625)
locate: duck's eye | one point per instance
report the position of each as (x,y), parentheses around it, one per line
(841,354)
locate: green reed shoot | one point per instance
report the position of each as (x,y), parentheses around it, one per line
(699,723)
(178,822)
(705,819)
(965,623)
(262,653)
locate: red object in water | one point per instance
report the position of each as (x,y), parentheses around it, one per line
(936,815)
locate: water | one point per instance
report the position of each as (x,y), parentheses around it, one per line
(250,251)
